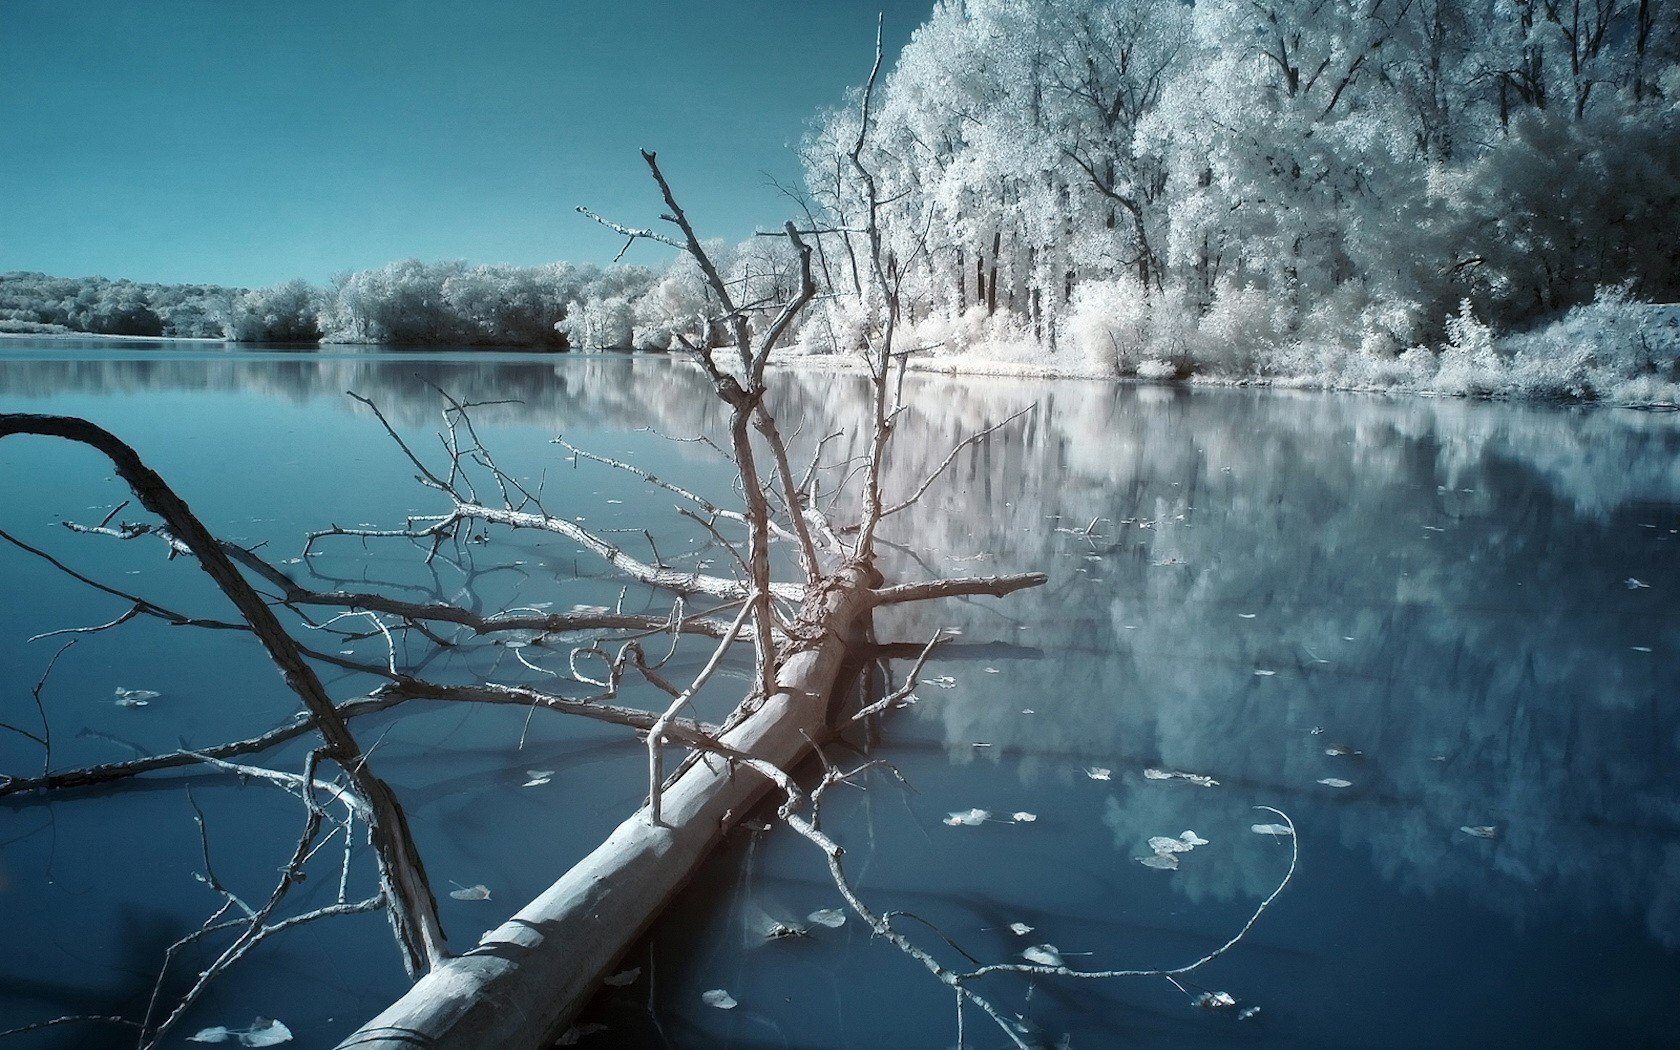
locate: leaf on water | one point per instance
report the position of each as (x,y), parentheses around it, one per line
(833,918)
(1640,648)
(1248,616)
(1023,817)
(1163,845)
(944,681)
(1271,829)
(578,1031)
(1099,773)
(1342,751)
(1020,929)
(1198,779)
(1162,861)
(1335,782)
(1481,831)
(719,998)
(967,818)
(1635,585)
(265,1033)
(470,893)
(619,980)
(539,777)
(1215,1000)
(1247,1013)
(1043,955)
(135,697)
(992,670)
(1263,673)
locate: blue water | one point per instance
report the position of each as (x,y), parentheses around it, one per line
(1442,586)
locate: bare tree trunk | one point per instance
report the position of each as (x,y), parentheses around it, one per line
(527,980)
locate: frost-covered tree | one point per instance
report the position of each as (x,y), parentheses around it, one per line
(286,313)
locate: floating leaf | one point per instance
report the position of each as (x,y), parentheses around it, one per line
(539,777)
(1247,1012)
(1271,829)
(1023,818)
(578,1031)
(967,818)
(135,697)
(1193,839)
(1640,648)
(1342,751)
(470,893)
(1481,831)
(1635,585)
(1163,861)
(1043,955)
(833,918)
(1248,616)
(619,980)
(1163,845)
(719,998)
(1336,782)
(1099,773)
(261,1033)
(1020,929)
(1215,1000)
(1263,673)
(944,681)
(1176,774)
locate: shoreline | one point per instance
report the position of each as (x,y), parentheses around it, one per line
(953,366)
(111,337)
(984,367)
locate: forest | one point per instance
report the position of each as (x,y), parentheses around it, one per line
(1471,196)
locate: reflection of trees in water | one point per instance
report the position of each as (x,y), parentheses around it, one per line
(1500,642)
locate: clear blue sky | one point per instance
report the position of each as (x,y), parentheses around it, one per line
(250,141)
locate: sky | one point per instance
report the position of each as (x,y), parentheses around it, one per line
(247,142)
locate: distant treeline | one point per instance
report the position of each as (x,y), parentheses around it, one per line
(410,303)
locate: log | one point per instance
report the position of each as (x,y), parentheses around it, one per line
(525,983)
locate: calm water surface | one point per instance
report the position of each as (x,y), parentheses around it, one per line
(1478,598)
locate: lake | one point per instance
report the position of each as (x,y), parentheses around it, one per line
(1464,611)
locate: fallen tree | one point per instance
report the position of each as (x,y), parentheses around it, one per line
(524,983)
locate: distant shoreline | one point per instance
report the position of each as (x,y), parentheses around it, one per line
(109,336)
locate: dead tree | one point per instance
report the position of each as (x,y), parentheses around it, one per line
(524,982)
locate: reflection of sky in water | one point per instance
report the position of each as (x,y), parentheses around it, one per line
(1439,585)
